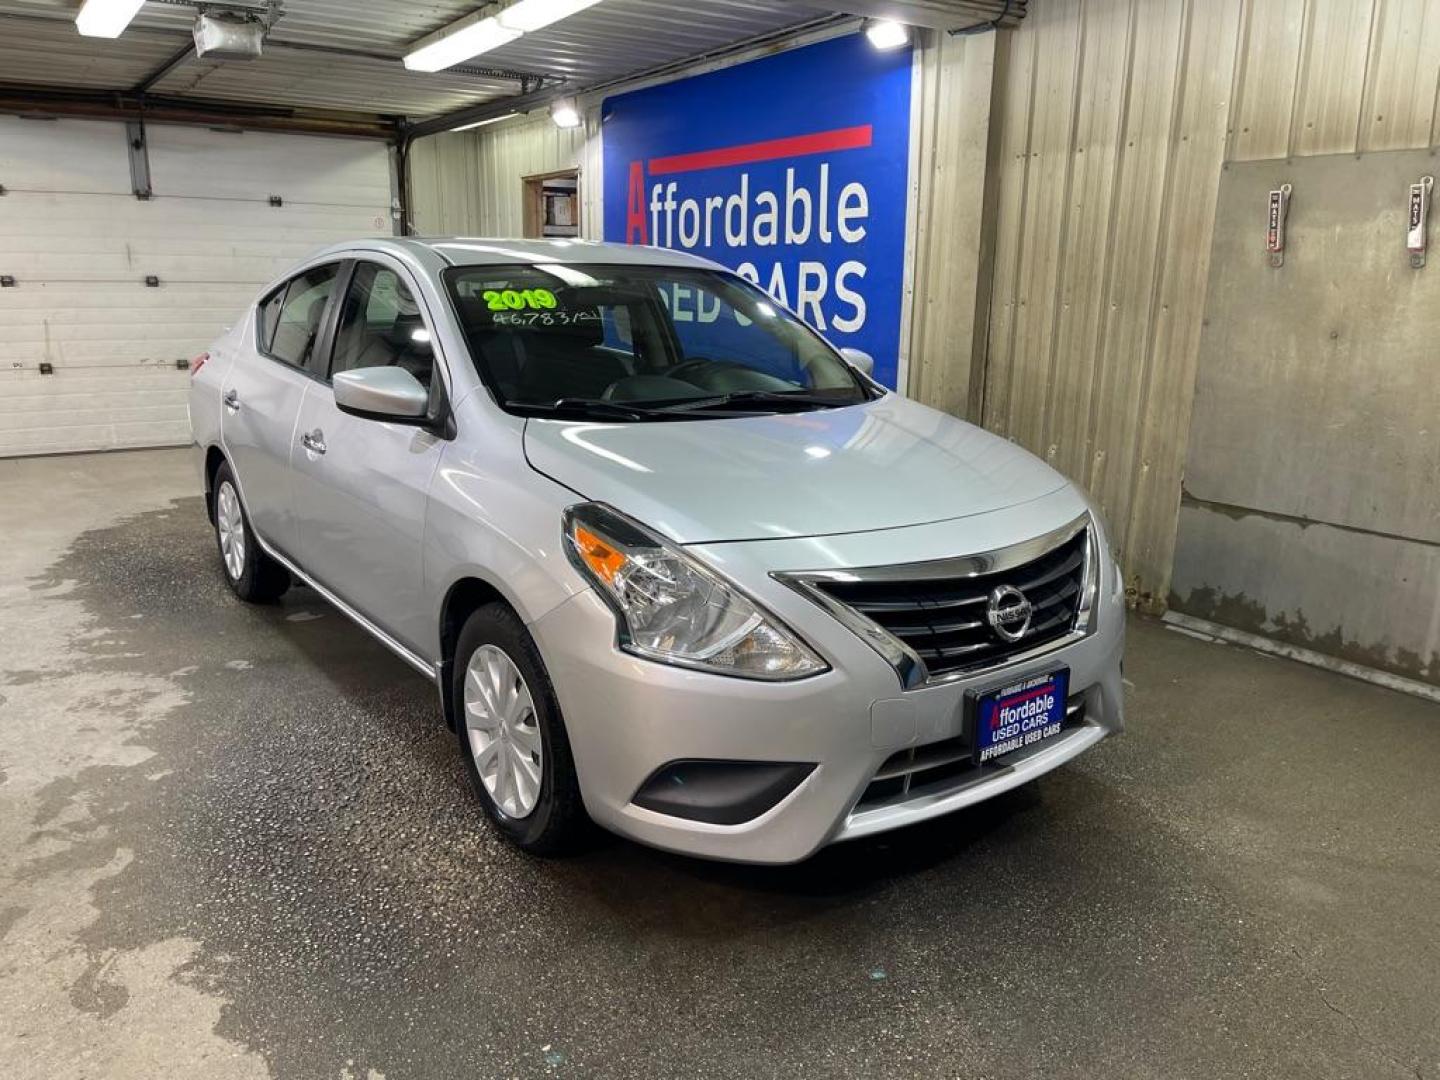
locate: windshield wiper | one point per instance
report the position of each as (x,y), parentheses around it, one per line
(585,408)
(755,397)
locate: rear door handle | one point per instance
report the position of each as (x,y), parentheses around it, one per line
(314,441)
(232,400)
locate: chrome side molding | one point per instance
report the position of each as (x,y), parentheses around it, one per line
(414,659)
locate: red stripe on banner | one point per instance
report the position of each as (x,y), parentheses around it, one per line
(820,142)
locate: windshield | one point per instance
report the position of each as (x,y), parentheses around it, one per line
(642,343)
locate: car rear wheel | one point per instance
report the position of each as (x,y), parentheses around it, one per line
(512,735)
(254,576)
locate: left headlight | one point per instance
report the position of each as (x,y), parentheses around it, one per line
(673,609)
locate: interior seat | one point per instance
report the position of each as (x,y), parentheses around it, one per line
(566,362)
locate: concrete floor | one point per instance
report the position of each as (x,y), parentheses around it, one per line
(235,842)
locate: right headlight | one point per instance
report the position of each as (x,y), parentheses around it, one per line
(1115,587)
(672,608)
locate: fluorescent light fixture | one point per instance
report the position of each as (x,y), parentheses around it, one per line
(528,16)
(470,36)
(565,113)
(482,123)
(106,18)
(887,34)
(455,45)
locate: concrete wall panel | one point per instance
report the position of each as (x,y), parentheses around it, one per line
(1317,395)
(1356,595)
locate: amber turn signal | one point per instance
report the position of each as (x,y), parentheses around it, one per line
(599,556)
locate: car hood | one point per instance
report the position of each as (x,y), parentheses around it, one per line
(880,465)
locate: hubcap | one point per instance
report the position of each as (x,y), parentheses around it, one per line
(231,524)
(503,730)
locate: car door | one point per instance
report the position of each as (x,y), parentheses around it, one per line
(262,394)
(360,484)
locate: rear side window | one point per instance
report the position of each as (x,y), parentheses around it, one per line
(297,326)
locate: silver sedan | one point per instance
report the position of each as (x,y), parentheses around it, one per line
(675,564)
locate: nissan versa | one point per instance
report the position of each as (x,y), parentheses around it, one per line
(674,562)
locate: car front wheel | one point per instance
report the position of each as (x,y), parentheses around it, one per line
(513,736)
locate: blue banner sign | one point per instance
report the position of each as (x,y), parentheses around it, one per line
(792,170)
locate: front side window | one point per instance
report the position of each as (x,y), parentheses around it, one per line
(644,342)
(380,325)
(297,325)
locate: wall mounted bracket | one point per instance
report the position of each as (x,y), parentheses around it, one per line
(1415,234)
(139,159)
(1275,227)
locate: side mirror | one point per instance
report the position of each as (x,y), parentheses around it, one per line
(859,358)
(381,393)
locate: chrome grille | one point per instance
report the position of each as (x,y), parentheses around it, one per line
(943,620)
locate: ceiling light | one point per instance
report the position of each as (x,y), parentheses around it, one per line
(885,34)
(565,114)
(482,123)
(106,18)
(454,46)
(530,15)
(471,36)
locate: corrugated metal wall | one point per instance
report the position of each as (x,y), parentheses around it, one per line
(954,244)
(468,183)
(1116,117)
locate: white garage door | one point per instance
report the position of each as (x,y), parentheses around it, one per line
(79,247)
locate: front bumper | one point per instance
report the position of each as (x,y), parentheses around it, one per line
(627,718)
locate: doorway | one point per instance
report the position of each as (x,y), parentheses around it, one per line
(552,204)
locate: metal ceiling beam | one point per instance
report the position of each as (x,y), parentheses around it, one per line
(472,114)
(935,14)
(124,105)
(168,65)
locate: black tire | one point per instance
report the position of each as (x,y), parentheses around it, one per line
(261,580)
(558,822)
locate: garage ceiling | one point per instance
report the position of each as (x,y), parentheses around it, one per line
(344,55)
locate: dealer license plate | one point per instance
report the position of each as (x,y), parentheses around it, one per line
(1019,715)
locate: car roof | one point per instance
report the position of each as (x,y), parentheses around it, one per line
(499,251)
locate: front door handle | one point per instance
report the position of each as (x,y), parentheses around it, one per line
(314,441)
(232,400)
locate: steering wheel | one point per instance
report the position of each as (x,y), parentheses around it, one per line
(696,365)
